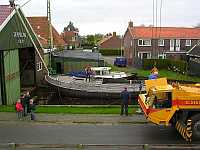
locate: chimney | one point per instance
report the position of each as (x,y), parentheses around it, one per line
(114,34)
(130,24)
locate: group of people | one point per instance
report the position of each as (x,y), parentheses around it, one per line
(25,106)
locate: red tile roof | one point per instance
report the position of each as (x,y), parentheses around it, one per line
(40,26)
(165,32)
(5,11)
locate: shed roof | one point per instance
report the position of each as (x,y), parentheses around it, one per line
(79,54)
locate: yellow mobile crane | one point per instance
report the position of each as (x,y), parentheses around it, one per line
(175,105)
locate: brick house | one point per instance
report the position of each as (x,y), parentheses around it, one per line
(40,26)
(111,42)
(158,42)
(71,36)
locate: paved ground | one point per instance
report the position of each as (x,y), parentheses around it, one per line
(109,59)
(45,133)
(111,131)
(78,118)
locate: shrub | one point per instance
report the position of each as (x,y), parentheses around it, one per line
(173,65)
(111,52)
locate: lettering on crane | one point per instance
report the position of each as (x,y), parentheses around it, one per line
(192,102)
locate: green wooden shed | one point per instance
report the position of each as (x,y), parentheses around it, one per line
(21,55)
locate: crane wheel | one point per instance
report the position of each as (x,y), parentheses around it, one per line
(196,126)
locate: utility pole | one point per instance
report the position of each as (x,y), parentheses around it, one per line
(50,38)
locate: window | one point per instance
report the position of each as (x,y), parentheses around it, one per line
(178,44)
(73,39)
(144,55)
(162,56)
(188,43)
(172,44)
(39,66)
(161,42)
(142,42)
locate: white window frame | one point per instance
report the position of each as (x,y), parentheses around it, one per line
(140,55)
(178,45)
(39,66)
(143,42)
(131,43)
(161,42)
(172,44)
(162,56)
(73,38)
(188,42)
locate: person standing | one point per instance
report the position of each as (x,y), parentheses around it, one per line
(32,109)
(125,97)
(27,98)
(88,72)
(22,98)
(19,109)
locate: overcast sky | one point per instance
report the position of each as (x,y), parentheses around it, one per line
(104,16)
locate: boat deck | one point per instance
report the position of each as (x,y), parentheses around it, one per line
(92,86)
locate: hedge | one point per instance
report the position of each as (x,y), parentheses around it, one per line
(111,52)
(173,65)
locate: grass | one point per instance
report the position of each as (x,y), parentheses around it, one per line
(162,73)
(73,110)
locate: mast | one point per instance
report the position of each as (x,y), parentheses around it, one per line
(50,38)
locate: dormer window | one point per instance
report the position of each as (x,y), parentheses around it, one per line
(187,42)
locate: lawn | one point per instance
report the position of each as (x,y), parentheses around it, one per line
(162,73)
(74,110)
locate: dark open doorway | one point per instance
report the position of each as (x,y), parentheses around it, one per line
(58,68)
(27,66)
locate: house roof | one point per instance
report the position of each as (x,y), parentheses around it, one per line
(70,27)
(40,26)
(104,39)
(5,11)
(165,32)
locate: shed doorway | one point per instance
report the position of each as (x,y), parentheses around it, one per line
(58,68)
(27,67)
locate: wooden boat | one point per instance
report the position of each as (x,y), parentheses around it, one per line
(78,87)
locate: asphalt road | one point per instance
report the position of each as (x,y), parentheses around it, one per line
(88,134)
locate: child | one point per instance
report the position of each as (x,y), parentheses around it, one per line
(19,109)
(32,109)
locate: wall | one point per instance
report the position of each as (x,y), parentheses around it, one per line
(72,64)
(12,76)
(0,94)
(128,47)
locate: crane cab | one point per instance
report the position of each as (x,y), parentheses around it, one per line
(157,102)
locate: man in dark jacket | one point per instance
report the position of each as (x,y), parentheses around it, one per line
(125,97)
